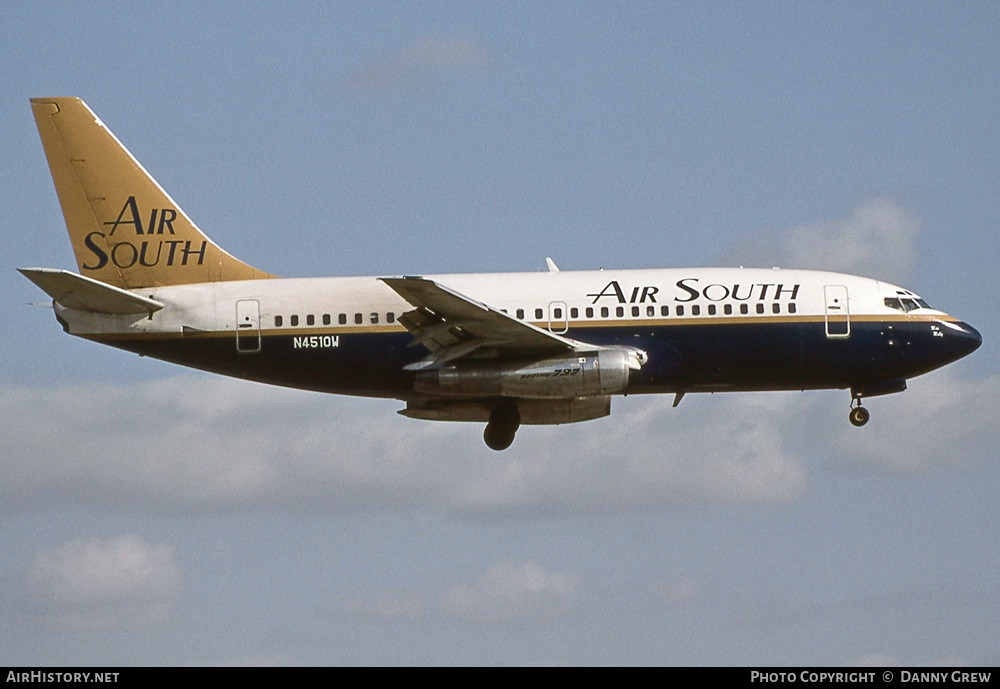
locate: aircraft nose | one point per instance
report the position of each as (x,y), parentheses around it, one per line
(971,339)
(961,339)
(947,341)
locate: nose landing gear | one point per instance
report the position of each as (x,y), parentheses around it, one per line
(859,415)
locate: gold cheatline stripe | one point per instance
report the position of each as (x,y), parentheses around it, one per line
(687,321)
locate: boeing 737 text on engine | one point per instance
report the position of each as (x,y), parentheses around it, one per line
(502,349)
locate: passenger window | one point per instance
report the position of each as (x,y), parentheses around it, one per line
(664,310)
(374,318)
(538,314)
(744,309)
(520,314)
(635,312)
(342,319)
(791,308)
(650,310)
(680,310)
(727,309)
(711,309)
(695,310)
(775,308)
(326,319)
(590,312)
(760,308)
(310,319)
(295,320)
(620,311)
(358,318)
(277,321)
(557,313)
(391,317)
(574,312)
(604,312)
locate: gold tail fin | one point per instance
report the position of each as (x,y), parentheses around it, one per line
(125,229)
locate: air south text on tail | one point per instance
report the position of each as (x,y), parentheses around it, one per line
(503,349)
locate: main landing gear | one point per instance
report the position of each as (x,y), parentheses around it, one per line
(503,424)
(859,415)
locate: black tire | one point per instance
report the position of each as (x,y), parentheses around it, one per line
(859,416)
(503,425)
(498,437)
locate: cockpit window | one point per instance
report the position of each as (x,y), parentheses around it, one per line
(906,304)
(911,303)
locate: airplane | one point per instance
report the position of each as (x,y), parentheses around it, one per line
(505,349)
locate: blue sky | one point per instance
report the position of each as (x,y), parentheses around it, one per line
(155,515)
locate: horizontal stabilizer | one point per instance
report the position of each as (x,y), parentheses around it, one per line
(78,292)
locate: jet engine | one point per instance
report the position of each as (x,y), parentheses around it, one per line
(601,372)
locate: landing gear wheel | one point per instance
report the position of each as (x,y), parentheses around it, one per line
(503,425)
(859,416)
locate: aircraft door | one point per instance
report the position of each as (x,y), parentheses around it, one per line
(247,326)
(558,318)
(838,315)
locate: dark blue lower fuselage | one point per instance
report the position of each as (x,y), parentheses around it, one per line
(715,356)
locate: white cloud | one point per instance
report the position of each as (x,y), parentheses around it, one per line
(506,593)
(940,421)
(877,240)
(117,583)
(385,606)
(678,591)
(200,444)
(646,456)
(418,65)
(512,592)
(204,444)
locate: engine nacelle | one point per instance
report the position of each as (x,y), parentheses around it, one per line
(602,372)
(531,411)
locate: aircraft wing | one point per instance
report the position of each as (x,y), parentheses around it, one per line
(451,325)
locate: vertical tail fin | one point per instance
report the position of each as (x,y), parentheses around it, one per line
(125,229)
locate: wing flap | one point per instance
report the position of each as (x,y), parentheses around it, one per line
(78,292)
(452,325)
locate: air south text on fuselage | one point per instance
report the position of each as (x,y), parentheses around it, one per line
(690,290)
